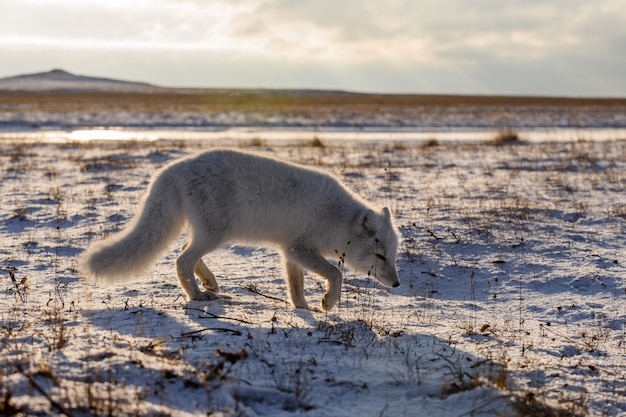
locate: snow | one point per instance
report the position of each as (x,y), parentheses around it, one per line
(512,296)
(281,136)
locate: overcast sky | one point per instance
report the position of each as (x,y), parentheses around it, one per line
(529,47)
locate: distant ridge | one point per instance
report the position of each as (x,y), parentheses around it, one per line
(58,79)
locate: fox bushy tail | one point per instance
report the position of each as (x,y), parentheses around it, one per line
(124,256)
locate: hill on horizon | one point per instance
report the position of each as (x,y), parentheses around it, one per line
(62,81)
(59,79)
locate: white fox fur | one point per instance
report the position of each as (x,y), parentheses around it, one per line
(228,196)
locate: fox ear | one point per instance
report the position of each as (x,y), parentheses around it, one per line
(387,214)
(367,221)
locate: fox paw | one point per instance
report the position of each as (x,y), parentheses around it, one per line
(329,301)
(205,296)
(210,288)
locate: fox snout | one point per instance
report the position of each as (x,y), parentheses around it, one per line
(390,280)
(395,281)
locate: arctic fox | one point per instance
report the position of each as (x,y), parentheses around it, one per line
(227,196)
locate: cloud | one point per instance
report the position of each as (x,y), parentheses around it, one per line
(324,30)
(531,47)
(437,31)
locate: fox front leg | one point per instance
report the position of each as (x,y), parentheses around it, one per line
(295,282)
(312,260)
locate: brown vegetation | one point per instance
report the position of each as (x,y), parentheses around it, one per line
(296,102)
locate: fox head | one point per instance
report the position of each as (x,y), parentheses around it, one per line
(374,249)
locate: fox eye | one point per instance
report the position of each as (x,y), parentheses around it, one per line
(381,257)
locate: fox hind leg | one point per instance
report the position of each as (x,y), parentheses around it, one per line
(206,277)
(189,262)
(204,273)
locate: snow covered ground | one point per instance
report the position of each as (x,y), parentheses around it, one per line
(512,297)
(281,136)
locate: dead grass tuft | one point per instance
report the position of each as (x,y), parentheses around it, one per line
(506,137)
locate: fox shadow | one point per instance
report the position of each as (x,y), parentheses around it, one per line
(217,341)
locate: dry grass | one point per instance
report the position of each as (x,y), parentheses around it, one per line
(282,102)
(506,137)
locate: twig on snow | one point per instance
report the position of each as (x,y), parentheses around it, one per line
(215,316)
(254,290)
(214,329)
